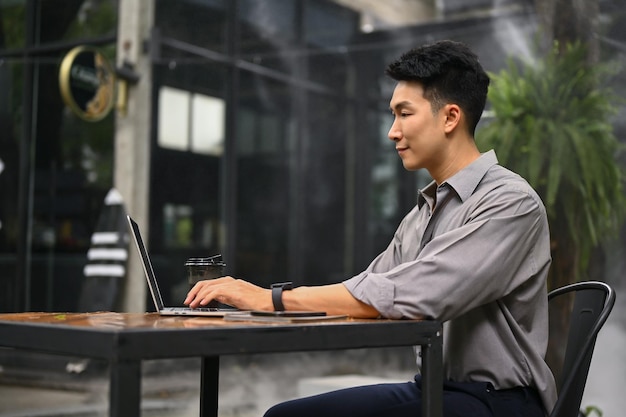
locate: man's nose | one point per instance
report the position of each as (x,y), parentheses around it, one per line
(394,132)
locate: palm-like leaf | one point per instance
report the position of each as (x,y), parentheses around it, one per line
(552,125)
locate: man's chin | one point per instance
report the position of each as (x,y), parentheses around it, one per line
(410,166)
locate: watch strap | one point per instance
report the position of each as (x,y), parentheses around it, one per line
(277,294)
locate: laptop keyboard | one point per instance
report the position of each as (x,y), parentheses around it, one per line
(205,309)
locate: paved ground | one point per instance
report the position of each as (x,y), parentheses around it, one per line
(248,384)
(24,392)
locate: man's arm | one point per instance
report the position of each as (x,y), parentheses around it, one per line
(333,299)
(502,242)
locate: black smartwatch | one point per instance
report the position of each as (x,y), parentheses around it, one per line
(277,294)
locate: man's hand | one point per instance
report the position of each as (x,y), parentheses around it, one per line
(332,298)
(228,290)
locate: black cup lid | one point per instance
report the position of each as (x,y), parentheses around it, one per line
(215,260)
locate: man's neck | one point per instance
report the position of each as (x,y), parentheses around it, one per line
(455,160)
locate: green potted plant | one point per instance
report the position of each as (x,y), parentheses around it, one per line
(552,125)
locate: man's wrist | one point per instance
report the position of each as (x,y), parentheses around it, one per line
(277,294)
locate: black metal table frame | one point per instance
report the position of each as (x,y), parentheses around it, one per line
(125,348)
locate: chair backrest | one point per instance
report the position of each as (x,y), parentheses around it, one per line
(592,305)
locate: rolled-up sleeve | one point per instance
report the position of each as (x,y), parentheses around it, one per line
(490,244)
(374,286)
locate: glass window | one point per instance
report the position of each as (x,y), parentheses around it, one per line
(323,190)
(264,172)
(12,24)
(273,19)
(191,121)
(10,125)
(328,26)
(201,23)
(208,115)
(392,190)
(328,32)
(178,225)
(75,20)
(268,33)
(68,170)
(186,167)
(173,121)
(72,172)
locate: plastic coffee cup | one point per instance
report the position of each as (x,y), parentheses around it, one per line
(200,269)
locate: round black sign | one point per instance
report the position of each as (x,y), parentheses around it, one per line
(87,83)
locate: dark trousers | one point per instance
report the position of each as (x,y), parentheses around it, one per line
(473,399)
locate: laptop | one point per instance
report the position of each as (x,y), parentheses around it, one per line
(154,287)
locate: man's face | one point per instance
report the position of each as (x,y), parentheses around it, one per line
(419,135)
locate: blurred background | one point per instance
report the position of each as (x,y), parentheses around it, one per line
(257,129)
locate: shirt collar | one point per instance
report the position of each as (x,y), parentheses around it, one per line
(465,181)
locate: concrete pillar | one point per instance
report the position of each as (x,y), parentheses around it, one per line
(132,137)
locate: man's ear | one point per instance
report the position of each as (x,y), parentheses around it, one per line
(452,113)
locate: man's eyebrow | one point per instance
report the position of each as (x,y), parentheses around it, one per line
(400,105)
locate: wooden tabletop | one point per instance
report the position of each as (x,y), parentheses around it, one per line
(125,339)
(151,336)
(110,320)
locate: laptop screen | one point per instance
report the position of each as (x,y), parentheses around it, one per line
(147,265)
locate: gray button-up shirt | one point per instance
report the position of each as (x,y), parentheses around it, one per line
(482,272)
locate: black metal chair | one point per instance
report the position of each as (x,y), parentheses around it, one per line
(592,305)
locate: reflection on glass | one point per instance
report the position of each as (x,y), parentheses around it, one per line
(76,19)
(385,182)
(207,124)
(178,226)
(203,23)
(323,190)
(12,24)
(10,119)
(268,33)
(173,118)
(10,106)
(191,122)
(71,174)
(327,25)
(263,190)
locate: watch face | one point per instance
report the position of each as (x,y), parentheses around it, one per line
(283,285)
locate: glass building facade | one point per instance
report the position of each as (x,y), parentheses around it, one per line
(268,135)
(56,168)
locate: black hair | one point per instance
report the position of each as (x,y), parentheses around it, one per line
(449,72)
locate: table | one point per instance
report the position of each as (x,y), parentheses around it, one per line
(125,339)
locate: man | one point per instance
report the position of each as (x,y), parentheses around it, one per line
(474,253)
